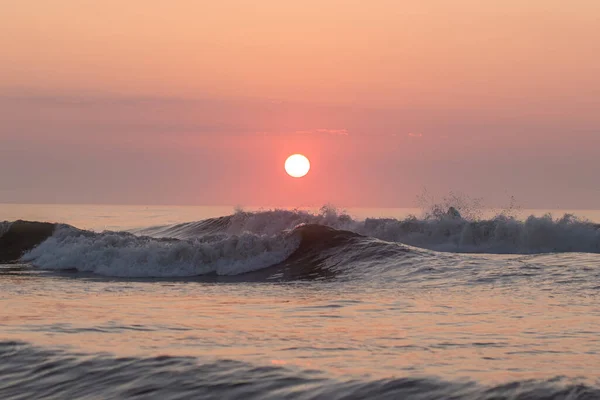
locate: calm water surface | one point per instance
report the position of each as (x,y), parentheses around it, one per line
(483,333)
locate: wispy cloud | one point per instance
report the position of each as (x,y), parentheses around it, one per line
(342,132)
(415,135)
(335,132)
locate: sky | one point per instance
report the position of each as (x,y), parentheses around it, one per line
(200,102)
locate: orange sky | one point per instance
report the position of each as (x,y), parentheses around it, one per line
(423,90)
(387,53)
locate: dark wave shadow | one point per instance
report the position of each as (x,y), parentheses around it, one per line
(21,237)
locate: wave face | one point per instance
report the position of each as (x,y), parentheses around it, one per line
(20,236)
(30,372)
(4,227)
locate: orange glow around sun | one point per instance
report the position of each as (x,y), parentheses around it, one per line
(297,165)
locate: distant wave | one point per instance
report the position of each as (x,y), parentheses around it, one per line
(448,233)
(34,373)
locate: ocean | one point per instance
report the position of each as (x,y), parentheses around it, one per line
(164,302)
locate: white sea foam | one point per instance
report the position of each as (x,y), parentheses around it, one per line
(127,255)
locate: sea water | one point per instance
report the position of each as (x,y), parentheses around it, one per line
(195,302)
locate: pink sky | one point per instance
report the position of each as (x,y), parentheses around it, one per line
(196,102)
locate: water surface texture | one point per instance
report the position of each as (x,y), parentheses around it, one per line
(296,304)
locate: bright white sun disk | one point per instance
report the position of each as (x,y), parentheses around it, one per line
(297,165)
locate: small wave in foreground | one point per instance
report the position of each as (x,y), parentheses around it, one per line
(30,372)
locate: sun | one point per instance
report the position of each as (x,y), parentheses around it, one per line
(297,165)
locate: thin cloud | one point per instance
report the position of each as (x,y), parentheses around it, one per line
(341,132)
(415,135)
(321,131)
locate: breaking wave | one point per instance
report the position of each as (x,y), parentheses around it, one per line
(127,255)
(289,244)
